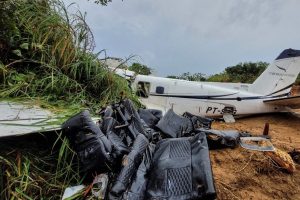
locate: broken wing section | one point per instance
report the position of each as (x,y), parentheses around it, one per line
(19,119)
(291,102)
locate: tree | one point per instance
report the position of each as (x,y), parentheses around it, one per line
(102,2)
(140,69)
(190,77)
(245,72)
(221,77)
(172,76)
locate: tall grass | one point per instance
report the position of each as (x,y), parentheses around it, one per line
(31,170)
(46,55)
(49,55)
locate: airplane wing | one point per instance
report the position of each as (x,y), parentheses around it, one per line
(19,119)
(291,102)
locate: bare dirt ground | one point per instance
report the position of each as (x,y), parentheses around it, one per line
(245,174)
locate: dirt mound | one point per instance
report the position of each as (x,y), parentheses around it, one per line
(244,174)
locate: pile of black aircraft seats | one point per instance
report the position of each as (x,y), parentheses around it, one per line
(147,155)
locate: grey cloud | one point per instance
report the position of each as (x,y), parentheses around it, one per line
(252,12)
(195,35)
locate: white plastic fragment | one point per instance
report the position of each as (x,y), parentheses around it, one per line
(72,191)
(99,186)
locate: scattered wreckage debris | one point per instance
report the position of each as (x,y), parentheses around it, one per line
(263,143)
(137,147)
(18,119)
(295,154)
(257,144)
(221,139)
(282,159)
(97,188)
(147,155)
(73,192)
(266,129)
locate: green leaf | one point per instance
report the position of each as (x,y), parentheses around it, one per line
(17,52)
(24,46)
(37,46)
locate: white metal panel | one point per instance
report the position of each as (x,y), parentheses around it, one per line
(20,119)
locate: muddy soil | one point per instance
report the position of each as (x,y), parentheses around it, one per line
(245,174)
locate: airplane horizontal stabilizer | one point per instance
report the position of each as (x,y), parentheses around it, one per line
(291,102)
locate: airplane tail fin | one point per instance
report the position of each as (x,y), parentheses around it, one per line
(279,76)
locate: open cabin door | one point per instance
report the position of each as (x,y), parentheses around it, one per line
(152,95)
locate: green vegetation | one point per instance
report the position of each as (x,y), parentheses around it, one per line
(33,168)
(221,77)
(140,69)
(102,2)
(190,77)
(46,57)
(243,72)
(47,53)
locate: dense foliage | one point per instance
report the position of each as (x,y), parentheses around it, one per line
(102,2)
(140,69)
(243,72)
(190,77)
(46,55)
(246,72)
(46,52)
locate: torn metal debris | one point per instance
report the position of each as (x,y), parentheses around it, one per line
(99,186)
(220,139)
(20,119)
(256,144)
(295,154)
(282,159)
(72,192)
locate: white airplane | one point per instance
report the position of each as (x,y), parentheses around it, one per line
(270,92)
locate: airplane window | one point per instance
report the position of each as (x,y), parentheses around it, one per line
(160,90)
(143,89)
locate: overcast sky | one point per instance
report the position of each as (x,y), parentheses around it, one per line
(203,36)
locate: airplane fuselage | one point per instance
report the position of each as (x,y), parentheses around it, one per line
(202,98)
(268,93)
